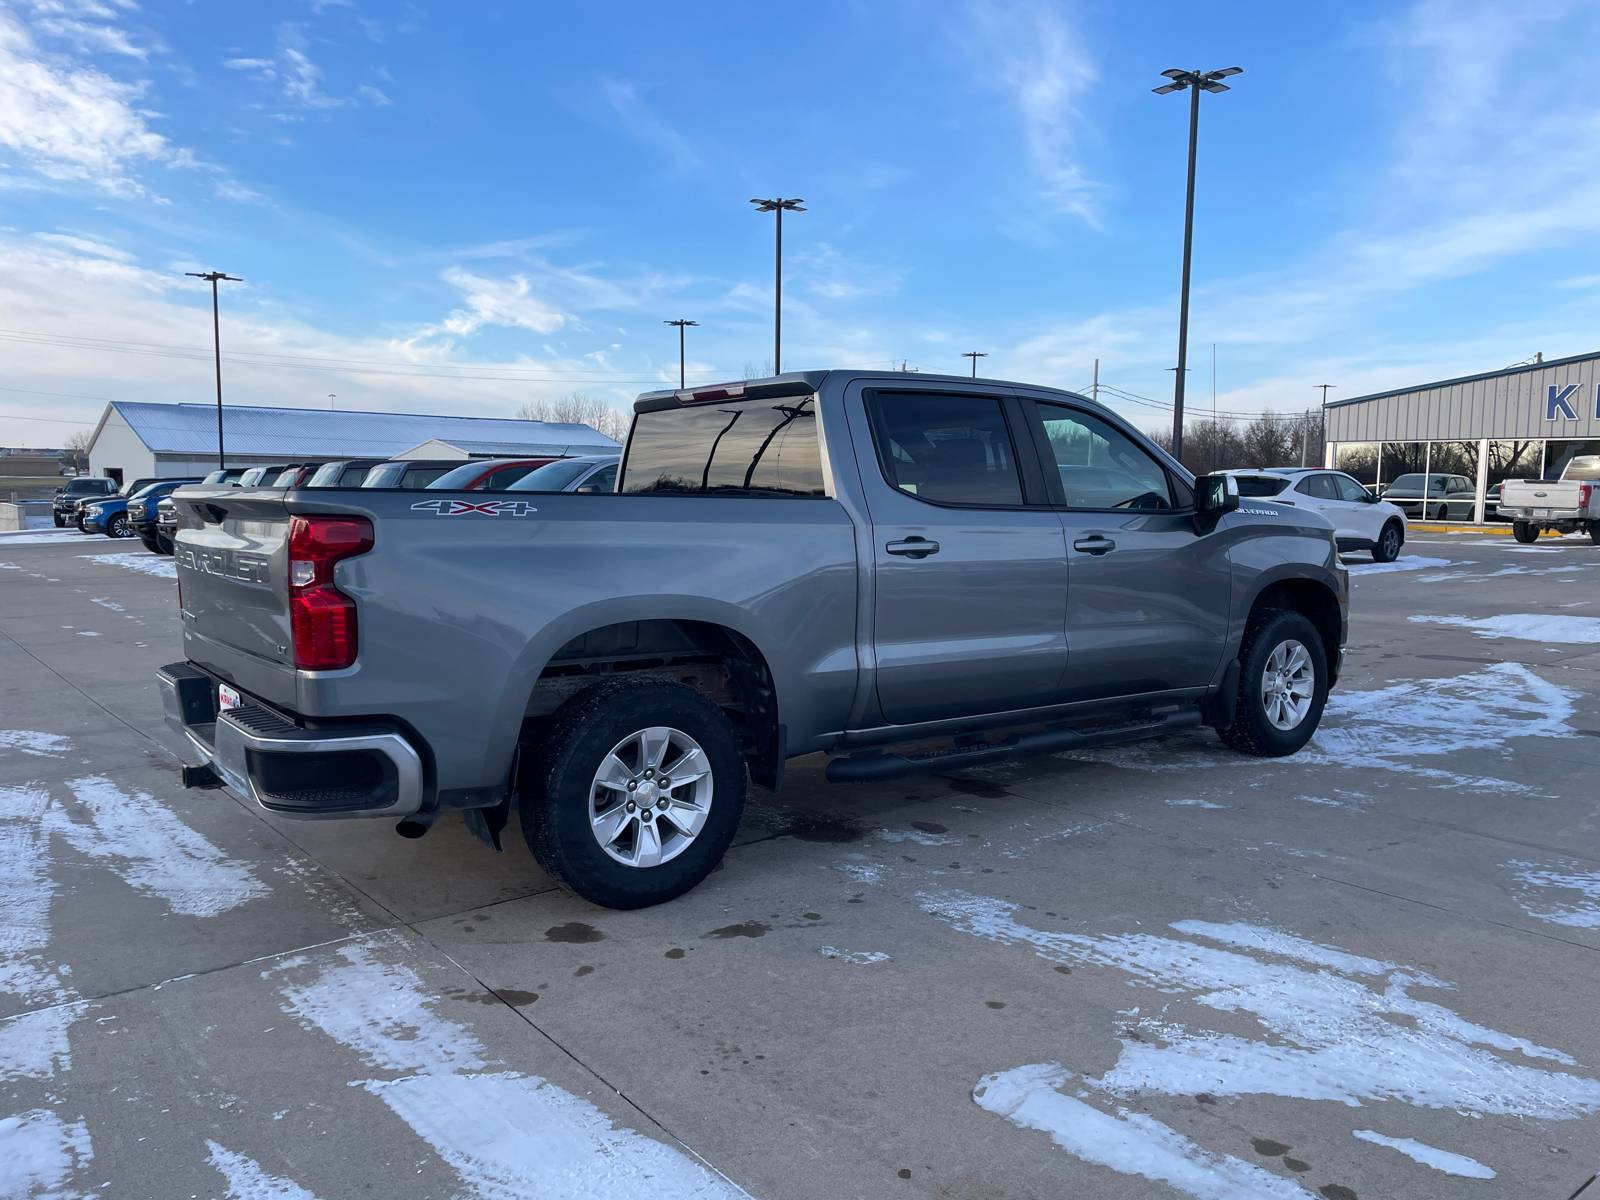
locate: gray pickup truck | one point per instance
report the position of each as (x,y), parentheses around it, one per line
(836,561)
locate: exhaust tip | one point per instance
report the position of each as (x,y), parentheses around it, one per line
(415,825)
(201,777)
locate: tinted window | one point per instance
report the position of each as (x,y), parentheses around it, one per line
(952,449)
(1100,466)
(1407,483)
(551,477)
(767,446)
(1319,487)
(603,480)
(385,475)
(327,475)
(1350,490)
(353,476)
(502,479)
(1260,485)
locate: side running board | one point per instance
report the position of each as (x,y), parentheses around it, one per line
(876,767)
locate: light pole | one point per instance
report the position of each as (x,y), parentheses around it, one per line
(975,355)
(214,277)
(331,399)
(681,326)
(1196,82)
(1304,436)
(778,206)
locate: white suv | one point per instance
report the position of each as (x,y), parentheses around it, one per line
(1360,520)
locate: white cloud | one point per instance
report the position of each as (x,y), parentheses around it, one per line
(71,123)
(86,246)
(1030,48)
(640,121)
(298,79)
(507,302)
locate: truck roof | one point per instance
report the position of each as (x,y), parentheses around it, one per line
(797,383)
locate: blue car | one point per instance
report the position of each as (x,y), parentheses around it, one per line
(110,516)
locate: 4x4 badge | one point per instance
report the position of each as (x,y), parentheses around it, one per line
(486,508)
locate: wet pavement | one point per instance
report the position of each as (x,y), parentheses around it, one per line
(1150,970)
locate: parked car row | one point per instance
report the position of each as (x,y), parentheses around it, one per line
(144,508)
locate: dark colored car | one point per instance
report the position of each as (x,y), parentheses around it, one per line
(115,503)
(116,517)
(344,473)
(65,507)
(488,474)
(407,474)
(142,514)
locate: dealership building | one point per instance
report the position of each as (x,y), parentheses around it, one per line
(136,440)
(1525,422)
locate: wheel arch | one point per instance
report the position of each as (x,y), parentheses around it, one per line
(1313,598)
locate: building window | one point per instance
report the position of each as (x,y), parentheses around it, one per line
(1358,460)
(1400,458)
(1558,454)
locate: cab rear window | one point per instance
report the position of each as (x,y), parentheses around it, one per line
(742,448)
(1260,485)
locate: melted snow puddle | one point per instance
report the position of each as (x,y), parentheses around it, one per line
(856,958)
(1405,564)
(1429,1156)
(1536,881)
(247,1181)
(507,1135)
(144,563)
(917,836)
(1341,1027)
(1527,627)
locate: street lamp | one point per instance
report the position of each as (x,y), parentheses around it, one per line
(975,355)
(1196,82)
(215,277)
(778,206)
(681,326)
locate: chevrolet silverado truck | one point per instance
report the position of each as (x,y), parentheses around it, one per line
(912,575)
(1565,505)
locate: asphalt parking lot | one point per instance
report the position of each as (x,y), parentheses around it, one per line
(1365,971)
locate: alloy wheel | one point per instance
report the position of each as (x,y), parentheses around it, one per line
(650,797)
(1288,684)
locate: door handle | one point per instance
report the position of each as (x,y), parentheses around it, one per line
(1097,544)
(913,547)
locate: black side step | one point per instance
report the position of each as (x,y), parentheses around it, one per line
(877,767)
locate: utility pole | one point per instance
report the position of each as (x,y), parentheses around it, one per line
(975,355)
(1094,394)
(1196,82)
(215,277)
(1213,382)
(1305,435)
(681,326)
(778,206)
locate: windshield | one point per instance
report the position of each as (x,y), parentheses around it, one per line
(327,475)
(552,477)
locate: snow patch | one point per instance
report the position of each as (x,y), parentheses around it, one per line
(1579,913)
(247,1181)
(48,745)
(1133,1143)
(1335,1026)
(856,958)
(1197,803)
(916,835)
(155,852)
(145,564)
(508,1136)
(1416,563)
(1429,1156)
(1527,627)
(38,1154)
(20,537)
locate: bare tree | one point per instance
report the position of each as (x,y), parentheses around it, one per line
(79,440)
(578,409)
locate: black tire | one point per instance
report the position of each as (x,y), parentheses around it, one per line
(163,545)
(558,781)
(118,526)
(1387,547)
(1252,732)
(1594,532)
(1524,532)
(150,543)
(60,523)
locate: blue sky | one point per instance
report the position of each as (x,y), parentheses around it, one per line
(456,208)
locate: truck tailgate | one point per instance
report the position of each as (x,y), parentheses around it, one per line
(1535,493)
(232,558)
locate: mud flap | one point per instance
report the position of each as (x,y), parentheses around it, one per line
(1218,709)
(487,824)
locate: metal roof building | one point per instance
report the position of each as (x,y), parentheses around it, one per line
(1525,422)
(136,440)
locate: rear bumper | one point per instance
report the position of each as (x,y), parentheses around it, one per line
(311,775)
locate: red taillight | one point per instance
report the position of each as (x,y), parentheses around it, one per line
(1583,495)
(323,617)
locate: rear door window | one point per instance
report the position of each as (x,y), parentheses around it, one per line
(1099,465)
(948,449)
(1318,487)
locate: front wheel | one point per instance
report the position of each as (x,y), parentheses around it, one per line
(60,524)
(119,526)
(1524,532)
(634,793)
(1283,685)
(163,544)
(1387,547)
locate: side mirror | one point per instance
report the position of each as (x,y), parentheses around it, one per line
(1214,497)
(588,489)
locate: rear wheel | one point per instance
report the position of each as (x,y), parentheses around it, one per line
(1594,532)
(1524,532)
(1283,685)
(1387,547)
(634,793)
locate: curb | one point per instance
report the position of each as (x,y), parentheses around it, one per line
(1503,530)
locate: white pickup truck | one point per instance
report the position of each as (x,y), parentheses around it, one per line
(1534,506)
